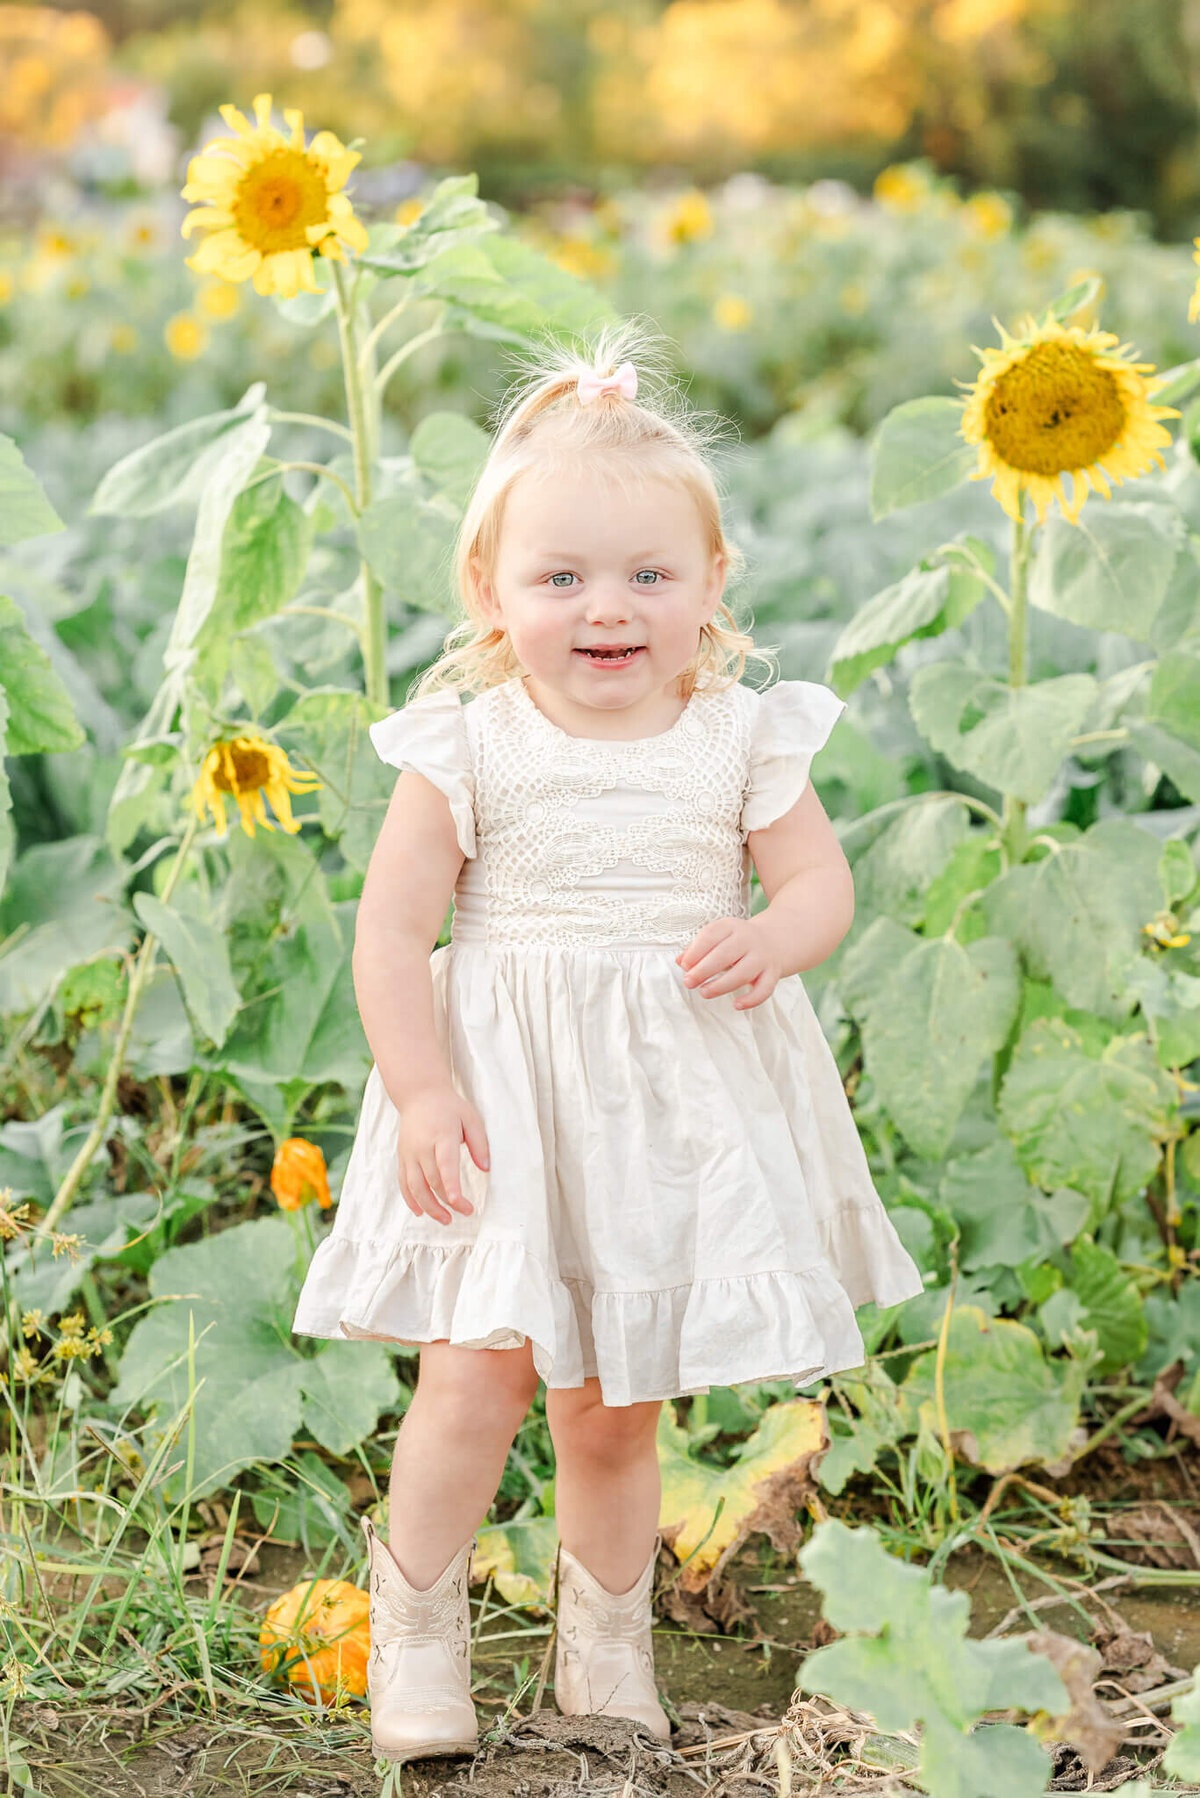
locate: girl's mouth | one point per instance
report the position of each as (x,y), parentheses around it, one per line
(608,658)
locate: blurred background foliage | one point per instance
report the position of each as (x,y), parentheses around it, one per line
(1070,104)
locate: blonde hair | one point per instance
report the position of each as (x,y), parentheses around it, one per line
(541,425)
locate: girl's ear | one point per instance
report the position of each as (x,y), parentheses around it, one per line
(716,584)
(484,593)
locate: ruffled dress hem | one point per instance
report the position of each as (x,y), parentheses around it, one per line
(669,1342)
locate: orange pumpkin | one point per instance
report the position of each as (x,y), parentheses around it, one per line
(317,1634)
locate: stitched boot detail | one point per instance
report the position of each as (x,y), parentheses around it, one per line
(604,1656)
(419,1668)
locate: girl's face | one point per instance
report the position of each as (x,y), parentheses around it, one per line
(582,564)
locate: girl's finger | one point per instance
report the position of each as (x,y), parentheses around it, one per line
(726,982)
(434,1206)
(451,1183)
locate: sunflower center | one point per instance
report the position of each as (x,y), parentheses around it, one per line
(277,199)
(1055,410)
(251,770)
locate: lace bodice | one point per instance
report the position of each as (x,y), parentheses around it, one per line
(572,841)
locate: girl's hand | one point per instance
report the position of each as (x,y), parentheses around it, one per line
(728,953)
(434,1124)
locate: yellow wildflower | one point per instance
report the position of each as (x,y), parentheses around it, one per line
(901,187)
(13,1218)
(31,1323)
(219,299)
(268,203)
(989,215)
(63,1244)
(687,219)
(185,336)
(251,770)
(731,311)
(7,287)
(1056,401)
(408,211)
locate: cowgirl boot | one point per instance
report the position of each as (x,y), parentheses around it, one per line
(419,1668)
(604,1660)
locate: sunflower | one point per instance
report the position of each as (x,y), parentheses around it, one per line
(269,203)
(1057,400)
(251,770)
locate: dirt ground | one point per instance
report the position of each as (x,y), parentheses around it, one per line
(716,1687)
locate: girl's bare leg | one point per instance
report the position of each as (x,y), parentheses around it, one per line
(451,1449)
(608,1489)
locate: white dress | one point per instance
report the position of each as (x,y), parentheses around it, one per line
(678,1196)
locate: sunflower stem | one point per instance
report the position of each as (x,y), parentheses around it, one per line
(1015,834)
(362,409)
(143,967)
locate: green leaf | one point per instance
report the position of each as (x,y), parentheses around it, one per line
(7,838)
(934,1017)
(752,1494)
(919,453)
(1169,734)
(24,509)
(300,1026)
(1170,999)
(928,601)
(1076,298)
(327,727)
(1111,1304)
(40,713)
(264,552)
(1007,1406)
(1183,1753)
(240,454)
(1112,569)
(520,1555)
(1012,738)
(452,214)
(344,1394)
(920,1667)
(68,894)
(408,541)
(1091,1121)
(1004,1220)
(1176,872)
(1179,383)
(177,466)
(199,954)
(898,851)
(240,1285)
(1078,909)
(450,449)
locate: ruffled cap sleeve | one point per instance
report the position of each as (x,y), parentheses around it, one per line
(793,719)
(429,736)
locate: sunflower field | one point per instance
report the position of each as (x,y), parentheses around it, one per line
(237,435)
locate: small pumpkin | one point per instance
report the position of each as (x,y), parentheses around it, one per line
(317,1635)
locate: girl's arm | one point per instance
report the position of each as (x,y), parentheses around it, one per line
(409,883)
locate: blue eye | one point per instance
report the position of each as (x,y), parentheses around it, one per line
(653,571)
(563,576)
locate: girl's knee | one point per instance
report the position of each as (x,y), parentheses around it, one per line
(580,1420)
(483,1383)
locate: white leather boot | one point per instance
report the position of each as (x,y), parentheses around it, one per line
(419,1669)
(604,1657)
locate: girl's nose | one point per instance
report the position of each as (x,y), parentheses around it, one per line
(608,608)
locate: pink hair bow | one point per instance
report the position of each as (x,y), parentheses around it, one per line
(624,382)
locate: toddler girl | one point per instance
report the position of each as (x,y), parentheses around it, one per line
(604,1143)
